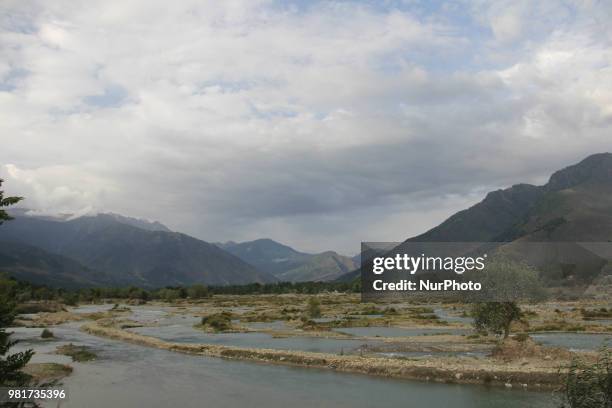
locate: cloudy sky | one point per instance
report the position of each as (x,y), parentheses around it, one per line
(316,123)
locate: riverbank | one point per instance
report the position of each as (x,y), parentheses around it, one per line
(532,373)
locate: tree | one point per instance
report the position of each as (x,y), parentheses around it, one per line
(496,317)
(505,282)
(314,308)
(197,291)
(10,365)
(5,202)
(589,385)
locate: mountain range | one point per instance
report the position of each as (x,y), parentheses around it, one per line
(289,265)
(574,206)
(107,249)
(114,250)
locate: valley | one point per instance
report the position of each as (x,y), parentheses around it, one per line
(401,347)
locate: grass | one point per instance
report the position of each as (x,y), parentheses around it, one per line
(596,313)
(558,326)
(39,307)
(77,353)
(218,322)
(44,372)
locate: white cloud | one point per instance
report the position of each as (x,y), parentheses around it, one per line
(250,118)
(55,189)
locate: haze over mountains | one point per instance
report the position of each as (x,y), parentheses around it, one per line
(287,264)
(574,206)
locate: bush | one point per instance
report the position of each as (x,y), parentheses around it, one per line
(77,353)
(314,308)
(589,385)
(71,299)
(46,334)
(197,291)
(218,321)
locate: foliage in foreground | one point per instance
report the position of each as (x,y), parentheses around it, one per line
(11,365)
(589,385)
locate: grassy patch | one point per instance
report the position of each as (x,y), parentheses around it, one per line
(46,372)
(560,326)
(77,353)
(39,307)
(218,322)
(601,313)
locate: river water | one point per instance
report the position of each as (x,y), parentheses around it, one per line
(126,375)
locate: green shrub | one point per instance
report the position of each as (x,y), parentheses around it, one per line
(198,291)
(70,299)
(218,321)
(589,385)
(314,308)
(77,353)
(46,334)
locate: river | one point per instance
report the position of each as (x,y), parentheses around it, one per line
(126,375)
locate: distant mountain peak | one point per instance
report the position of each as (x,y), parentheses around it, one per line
(136,222)
(575,205)
(101,216)
(595,168)
(140,255)
(288,264)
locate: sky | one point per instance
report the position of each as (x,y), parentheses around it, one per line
(319,124)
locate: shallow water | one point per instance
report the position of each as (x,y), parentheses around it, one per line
(185,334)
(146,315)
(446,315)
(374,331)
(574,341)
(324,319)
(128,375)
